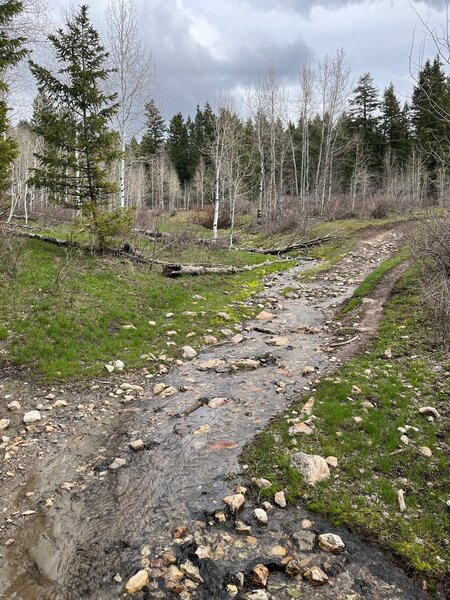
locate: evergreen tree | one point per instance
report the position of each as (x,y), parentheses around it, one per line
(179,148)
(430,116)
(155,130)
(11,52)
(74,121)
(364,120)
(395,125)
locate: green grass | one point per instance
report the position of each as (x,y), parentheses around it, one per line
(373,279)
(66,321)
(373,463)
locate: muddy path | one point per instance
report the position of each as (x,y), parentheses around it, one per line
(73,527)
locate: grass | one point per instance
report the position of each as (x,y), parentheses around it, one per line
(369,283)
(373,463)
(64,315)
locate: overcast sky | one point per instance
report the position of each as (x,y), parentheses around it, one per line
(201,47)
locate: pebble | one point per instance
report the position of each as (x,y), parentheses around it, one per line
(191,571)
(33,416)
(258,595)
(429,411)
(313,467)
(235,502)
(260,575)
(4,424)
(261,516)
(331,542)
(332,461)
(137,582)
(189,352)
(315,576)
(280,499)
(262,483)
(137,445)
(14,406)
(425,451)
(117,463)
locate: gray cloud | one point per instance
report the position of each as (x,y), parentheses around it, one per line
(305,6)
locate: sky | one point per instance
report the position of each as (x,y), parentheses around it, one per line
(205,47)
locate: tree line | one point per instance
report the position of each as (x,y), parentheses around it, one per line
(330,140)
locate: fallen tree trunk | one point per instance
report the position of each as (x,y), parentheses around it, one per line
(295,246)
(174,270)
(45,238)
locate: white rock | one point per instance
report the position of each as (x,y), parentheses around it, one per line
(258,595)
(425,451)
(14,406)
(280,499)
(119,365)
(262,483)
(137,445)
(261,516)
(313,467)
(188,352)
(235,502)
(109,368)
(429,411)
(117,463)
(59,404)
(191,571)
(31,417)
(4,424)
(331,542)
(332,461)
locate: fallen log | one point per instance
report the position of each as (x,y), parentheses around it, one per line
(45,238)
(303,245)
(176,270)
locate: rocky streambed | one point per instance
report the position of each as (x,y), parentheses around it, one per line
(126,480)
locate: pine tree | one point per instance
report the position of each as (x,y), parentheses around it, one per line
(394,125)
(74,121)
(430,116)
(11,52)
(179,148)
(155,130)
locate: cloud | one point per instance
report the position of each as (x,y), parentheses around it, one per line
(305,6)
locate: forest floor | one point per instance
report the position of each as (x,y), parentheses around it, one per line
(126,473)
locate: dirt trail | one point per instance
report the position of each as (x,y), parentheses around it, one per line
(91,523)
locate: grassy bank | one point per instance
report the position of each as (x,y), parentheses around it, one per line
(66,315)
(373,462)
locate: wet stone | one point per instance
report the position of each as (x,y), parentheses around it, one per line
(137,582)
(304,540)
(331,542)
(259,575)
(315,576)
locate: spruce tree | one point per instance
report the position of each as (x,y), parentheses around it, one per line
(155,130)
(179,148)
(74,121)
(394,125)
(11,52)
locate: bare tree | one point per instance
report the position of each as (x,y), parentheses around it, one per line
(135,75)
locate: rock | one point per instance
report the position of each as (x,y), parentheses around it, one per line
(425,451)
(301,428)
(332,461)
(174,574)
(179,532)
(306,524)
(189,352)
(331,542)
(214,363)
(257,595)
(14,406)
(357,420)
(169,391)
(401,500)
(217,402)
(33,416)
(308,407)
(429,411)
(109,368)
(304,540)
(204,552)
(60,404)
(260,575)
(159,388)
(278,341)
(265,316)
(261,516)
(49,503)
(315,576)
(137,445)
(137,582)
(313,467)
(308,371)
(356,389)
(223,315)
(117,463)
(4,424)
(191,571)
(277,551)
(293,568)
(245,363)
(118,365)
(388,353)
(235,502)
(129,327)
(210,339)
(280,499)
(262,483)
(232,590)
(405,440)
(237,339)
(242,527)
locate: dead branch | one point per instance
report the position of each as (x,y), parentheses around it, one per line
(295,246)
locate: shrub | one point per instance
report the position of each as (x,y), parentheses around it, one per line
(205,217)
